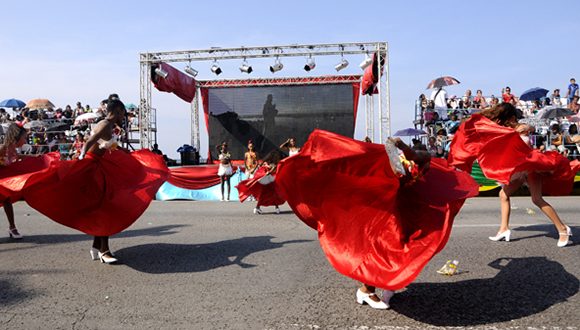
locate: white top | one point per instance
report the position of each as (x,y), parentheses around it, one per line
(293,152)
(108,144)
(440,102)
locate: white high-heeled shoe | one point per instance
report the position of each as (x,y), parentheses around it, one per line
(363,298)
(94,254)
(257,210)
(13,233)
(107,258)
(504,235)
(568,233)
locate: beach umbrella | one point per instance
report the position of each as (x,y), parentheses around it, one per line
(130,106)
(35,124)
(574,119)
(86,117)
(550,113)
(39,104)
(442,81)
(409,132)
(12,103)
(533,94)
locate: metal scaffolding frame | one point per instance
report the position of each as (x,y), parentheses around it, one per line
(147,120)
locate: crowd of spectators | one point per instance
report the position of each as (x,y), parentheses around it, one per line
(440,116)
(64,130)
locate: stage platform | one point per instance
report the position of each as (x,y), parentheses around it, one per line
(204,178)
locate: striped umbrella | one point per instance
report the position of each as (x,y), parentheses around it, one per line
(442,81)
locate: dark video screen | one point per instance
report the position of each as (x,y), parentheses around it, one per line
(270,115)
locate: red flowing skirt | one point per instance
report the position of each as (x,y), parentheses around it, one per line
(501,153)
(372,228)
(265,194)
(15,177)
(99,195)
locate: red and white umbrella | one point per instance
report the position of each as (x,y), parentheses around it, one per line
(86,117)
(443,81)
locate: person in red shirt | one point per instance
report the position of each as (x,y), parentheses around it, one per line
(508,97)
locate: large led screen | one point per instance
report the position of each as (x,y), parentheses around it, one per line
(270,115)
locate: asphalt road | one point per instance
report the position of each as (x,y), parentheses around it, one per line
(215,265)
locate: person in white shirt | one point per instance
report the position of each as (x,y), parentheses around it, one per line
(439,97)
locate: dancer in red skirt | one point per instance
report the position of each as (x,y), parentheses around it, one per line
(263,185)
(16,172)
(376,223)
(106,190)
(490,138)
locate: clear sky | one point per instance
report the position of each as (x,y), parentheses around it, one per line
(70,51)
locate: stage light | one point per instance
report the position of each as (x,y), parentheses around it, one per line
(277,66)
(191,71)
(245,67)
(215,68)
(367,61)
(161,73)
(341,65)
(310,64)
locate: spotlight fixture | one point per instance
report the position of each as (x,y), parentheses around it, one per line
(367,61)
(310,64)
(191,71)
(277,66)
(161,73)
(245,67)
(215,68)
(341,65)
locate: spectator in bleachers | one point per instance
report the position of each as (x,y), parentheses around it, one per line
(432,146)
(58,114)
(452,124)
(439,98)
(452,103)
(572,140)
(555,98)
(508,97)
(467,100)
(556,139)
(423,102)
(4,116)
(68,112)
(479,101)
(77,146)
(441,141)
(573,104)
(434,118)
(133,120)
(572,90)
(88,109)
(494,101)
(79,110)
(536,106)
(63,146)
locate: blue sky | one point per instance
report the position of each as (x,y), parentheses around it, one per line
(71,51)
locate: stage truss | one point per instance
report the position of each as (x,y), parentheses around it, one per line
(375,116)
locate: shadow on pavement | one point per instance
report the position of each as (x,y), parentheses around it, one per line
(12,291)
(60,238)
(523,287)
(184,258)
(549,231)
